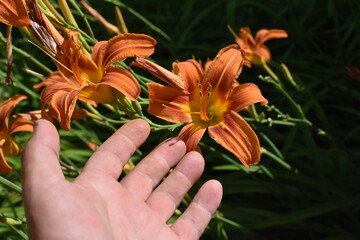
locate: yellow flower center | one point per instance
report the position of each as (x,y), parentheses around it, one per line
(207,106)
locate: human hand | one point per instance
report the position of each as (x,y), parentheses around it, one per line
(96,206)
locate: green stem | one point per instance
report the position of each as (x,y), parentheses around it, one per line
(82,15)
(28,56)
(269,71)
(292,102)
(11,185)
(156,126)
(21,233)
(252,111)
(142,18)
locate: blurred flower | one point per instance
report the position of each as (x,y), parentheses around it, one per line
(92,78)
(8,146)
(14,13)
(207,98)
(353,72)
(255,50)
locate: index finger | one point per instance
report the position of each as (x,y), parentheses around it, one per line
(112,155)
(40,159)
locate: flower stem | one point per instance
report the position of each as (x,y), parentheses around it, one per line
(269,71)
(9,184)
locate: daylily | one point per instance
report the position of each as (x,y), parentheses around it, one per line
(93,78)
(14,13)
(207,98)
(255,50)
(8,146)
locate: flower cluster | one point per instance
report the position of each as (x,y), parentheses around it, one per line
(200,96)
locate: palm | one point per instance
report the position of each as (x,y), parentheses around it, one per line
(97,206)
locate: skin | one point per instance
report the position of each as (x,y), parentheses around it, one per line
(97,206)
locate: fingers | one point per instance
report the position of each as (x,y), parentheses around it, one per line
(192,223)
(40,159)
(167,196)
(112,155)
(149,172)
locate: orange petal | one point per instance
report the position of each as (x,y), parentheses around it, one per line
(190,71)
(191,134)
(31,115)
(244,95)
(241,43)
(246,36)
(48,92)
(21,124)
(235,135)
(127,45)
(264,34)
(224,70)
(14,13)
(169,103)
(63,103)
(4,166)
(161,73)
(98,52)
(75,64)
(56,80)
(79,114)
(6,109)
(122,81)
(261,52)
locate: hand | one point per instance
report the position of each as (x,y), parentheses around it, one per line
(96,206)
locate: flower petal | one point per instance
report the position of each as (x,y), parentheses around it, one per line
(63,103)
(4,166)
(264,34)
(261,52)
(58,79)
(191,134)
(6,109)
(49,91)
(98,52)
(122,81)
(75,64)
(127,45)
(236,135)
(21,124)
(169,103)
(14,13)
(190,71)
(31,115)
(244,95)
(224,70)
(161,73)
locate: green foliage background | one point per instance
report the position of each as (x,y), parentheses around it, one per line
(307,185)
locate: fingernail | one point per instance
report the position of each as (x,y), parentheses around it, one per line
(171,141)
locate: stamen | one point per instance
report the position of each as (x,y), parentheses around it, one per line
(53,58)
(204,99)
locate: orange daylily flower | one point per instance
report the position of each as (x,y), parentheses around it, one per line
(92,78)
(8,146)
(14,13)
(255,50)
(207,98)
